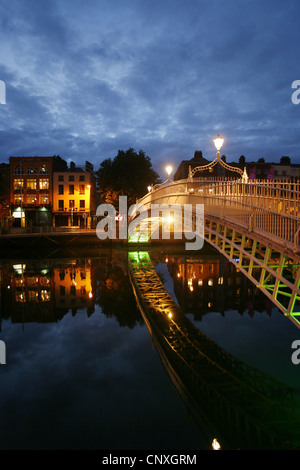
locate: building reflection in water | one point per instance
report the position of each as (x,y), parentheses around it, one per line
(45,291)
(212,284)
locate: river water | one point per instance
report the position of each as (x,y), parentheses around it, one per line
(81,369)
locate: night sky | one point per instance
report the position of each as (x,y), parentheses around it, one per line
(87,78)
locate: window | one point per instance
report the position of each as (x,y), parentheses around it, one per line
(81,177)
(44,199)
(44,183)
(44,170)
(31,183)
(71,177)
(60,177)
(81,189)
(71,188)
(60,189)
(73,290)
(61,205)
(31,170)
(31,200)
(18,183)
(82,204)
(71,204)
(18,199)
(18,170)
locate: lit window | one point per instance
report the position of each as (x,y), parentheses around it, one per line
(18,199)
(31,199)
(31,183)
(44,183)
(81,189)
(44,199)
(18,183)
(44,170)
(31,170)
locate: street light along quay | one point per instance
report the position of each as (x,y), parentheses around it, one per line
(218,141)
(89,218)
(169,171)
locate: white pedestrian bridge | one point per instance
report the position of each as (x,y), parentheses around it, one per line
(254,224)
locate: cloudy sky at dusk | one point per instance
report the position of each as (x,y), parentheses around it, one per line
(87,78)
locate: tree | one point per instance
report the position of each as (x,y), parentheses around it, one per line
(128,174)
(285,160)
(242,160)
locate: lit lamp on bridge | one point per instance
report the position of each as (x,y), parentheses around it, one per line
(169,171)
(89,219)
(218,141)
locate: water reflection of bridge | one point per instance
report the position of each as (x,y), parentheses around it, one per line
(232,401)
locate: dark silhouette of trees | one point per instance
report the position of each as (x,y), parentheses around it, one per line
(128,174)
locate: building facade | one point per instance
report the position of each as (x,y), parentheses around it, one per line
(31,189)
(74,196)
(45,192)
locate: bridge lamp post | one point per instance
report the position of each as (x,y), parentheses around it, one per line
(89,219)
(169,171)
(218,141)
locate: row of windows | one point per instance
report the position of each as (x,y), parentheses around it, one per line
(42,199)
(61,205)
(31,183)
(71,177)
(61,189)
(43,170)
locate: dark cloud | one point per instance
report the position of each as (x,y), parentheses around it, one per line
(85,79)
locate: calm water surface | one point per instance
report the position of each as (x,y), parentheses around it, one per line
(82,371)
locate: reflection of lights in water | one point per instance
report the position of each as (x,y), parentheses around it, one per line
(200,282)
(170,315)
(215,445)
(19,268)
(191,288)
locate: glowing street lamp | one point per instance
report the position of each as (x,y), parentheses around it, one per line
(169,171)
(89,219)
(218,141)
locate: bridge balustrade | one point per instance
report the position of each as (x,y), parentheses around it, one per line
(268,207)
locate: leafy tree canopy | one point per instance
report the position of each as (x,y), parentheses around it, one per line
(128,174)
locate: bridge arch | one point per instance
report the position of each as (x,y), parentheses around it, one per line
(254,224)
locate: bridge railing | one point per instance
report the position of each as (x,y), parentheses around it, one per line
(269,207)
